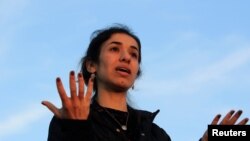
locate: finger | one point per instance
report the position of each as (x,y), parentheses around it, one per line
(214,122)
(52,108)
(227,117)
(90,87)
(205,136)
(61,91)
(80,86)
(243,122)
(235,117)
(72,85)
(216,119)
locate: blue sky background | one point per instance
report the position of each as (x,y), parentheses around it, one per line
(196,59)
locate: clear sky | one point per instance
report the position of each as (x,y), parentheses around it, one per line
(195,59)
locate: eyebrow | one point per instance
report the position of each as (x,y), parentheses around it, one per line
(119,43)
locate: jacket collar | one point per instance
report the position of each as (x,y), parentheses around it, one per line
(142,115)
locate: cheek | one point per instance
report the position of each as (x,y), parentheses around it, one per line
(104,66)
(136,69)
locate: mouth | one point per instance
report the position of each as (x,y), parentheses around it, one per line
(123,70)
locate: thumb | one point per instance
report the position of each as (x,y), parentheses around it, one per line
(52,108)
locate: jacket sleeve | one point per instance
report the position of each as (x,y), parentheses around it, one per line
(70,130)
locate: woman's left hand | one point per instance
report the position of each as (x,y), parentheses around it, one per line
(230,119)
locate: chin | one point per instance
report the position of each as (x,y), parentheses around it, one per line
(122,88)
(122,85)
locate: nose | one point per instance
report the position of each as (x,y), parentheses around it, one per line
(125,57)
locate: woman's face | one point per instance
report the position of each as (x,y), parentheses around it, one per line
(118,63)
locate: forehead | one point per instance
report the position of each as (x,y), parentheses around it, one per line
(122,38)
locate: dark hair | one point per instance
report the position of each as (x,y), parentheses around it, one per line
(98,37)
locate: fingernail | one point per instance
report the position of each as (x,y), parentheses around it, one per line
(239,112)
(72,73)
(58,79)
(218,116)
(246,120)
(79,74)
(42,103)
(232,112)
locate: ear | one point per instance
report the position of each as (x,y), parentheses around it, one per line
(91,66)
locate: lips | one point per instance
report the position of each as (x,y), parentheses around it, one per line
(123,70)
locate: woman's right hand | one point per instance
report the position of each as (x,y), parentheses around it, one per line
(77,106)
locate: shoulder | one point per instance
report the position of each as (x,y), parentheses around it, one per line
(159,133)
(144,114)
(148,125)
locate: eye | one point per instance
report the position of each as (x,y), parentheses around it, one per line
(134,55)
(114,49)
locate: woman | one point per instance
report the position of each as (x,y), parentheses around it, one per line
(109,69)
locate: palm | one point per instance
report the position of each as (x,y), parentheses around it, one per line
(78,104)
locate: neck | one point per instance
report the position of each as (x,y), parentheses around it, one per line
(113,100)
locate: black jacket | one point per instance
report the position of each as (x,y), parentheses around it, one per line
(99,127)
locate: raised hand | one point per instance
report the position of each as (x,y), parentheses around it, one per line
(77,106)
(230,119)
